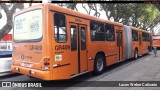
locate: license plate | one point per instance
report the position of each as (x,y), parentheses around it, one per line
(26,65)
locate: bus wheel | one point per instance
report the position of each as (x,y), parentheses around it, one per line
(135,54)
(99,64)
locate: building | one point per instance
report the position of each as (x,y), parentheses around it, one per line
(6,45)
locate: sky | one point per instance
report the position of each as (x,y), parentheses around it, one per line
(4,18)
(79,7)
(156,29)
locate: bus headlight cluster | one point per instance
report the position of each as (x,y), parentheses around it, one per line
(46,63)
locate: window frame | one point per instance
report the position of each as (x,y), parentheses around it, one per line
(84,48)
(104,27)
(94,21)
(112,25)
(65,26)
(146,35)
(73,35)
(137,35)
(33,40)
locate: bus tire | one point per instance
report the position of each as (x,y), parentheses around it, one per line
(99,64)
(136,54)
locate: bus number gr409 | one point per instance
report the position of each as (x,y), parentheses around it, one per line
(35,47)
(62,47)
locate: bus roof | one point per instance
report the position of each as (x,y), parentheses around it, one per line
(68,12)
(80,15)
(138,29)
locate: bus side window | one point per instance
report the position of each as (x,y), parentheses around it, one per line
(97,31)
(109,31)
(145,36)
(73,38)
(60,27)
(134,35)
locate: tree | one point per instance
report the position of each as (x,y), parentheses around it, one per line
(133,14)
(91,7)
(9,14)
(143,16)
(87,6)
(151,17)
(71,6)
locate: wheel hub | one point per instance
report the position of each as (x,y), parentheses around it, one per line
(99,64)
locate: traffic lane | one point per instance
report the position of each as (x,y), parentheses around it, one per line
(16,77)
(117,72)
(146,68)
(85,77)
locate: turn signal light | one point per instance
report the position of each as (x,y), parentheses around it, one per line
(46,59)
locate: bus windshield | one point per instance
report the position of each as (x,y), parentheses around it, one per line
(28,26)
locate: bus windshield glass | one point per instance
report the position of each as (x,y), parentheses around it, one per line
(28,26)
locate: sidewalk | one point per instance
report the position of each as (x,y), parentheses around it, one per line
(146,68)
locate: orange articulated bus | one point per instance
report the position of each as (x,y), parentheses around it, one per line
(141,42)
(156,41)
(53,43)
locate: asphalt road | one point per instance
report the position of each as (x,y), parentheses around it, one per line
(146,68)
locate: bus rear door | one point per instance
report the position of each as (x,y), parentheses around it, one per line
(119,44)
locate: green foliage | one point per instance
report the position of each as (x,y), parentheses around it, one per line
(140,15)
(150,15)
(133,14)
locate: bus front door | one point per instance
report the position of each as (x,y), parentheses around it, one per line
(78,48)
